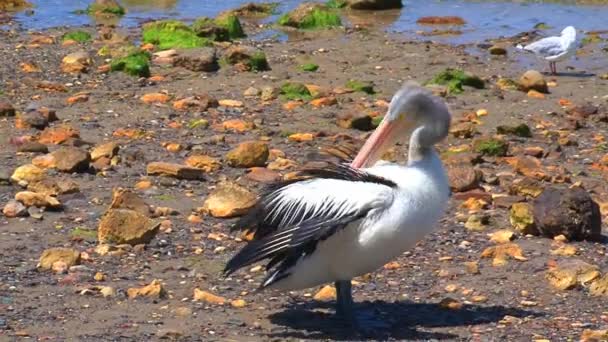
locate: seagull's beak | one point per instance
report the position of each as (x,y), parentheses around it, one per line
(385,135)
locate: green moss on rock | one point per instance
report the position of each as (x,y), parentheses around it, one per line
(310,16)
(232,25)
(364,87)
(295,91)
(78,36)
(136,64)
(521,130)
(336,4)
(172,34)
(491,147)
(106,7)
(310,67)
(224,28)
(455,79)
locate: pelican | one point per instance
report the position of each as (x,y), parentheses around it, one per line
(343,221)
(554,49)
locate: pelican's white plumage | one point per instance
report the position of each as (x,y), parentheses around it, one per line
(554,49)
(343,221)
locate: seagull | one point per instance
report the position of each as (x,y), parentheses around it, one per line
(341,221)
(554,49)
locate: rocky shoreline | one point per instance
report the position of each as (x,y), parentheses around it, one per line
(122,166)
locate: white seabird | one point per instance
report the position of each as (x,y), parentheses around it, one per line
(554,49)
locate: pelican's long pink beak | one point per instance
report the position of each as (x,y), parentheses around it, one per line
(376,145)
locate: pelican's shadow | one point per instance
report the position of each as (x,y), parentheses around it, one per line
(403,318)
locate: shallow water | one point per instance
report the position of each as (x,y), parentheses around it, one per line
(485,19)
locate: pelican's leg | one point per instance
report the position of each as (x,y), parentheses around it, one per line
(344,300)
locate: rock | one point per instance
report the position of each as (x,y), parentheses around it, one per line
(196,102)
(450,304)
(533,80)
(463,130)
(246,58)
(198,60)
(107,150)
(534,94)
(71,159)
(53,187)
(251,92)
(502,236)
(269,93)
(360,121)
(106,9)
(153,290)
(497,50)
(34,199)
(151,98)
(491,147)
(33,147)
(51,256)
(238,303)
(507,84)
(300,137)
(309,15)
(501,253)
(229,200)
(526,187)
(46,161)
(262,175)
(521,130)
(599,287)
(522,218)
(126,199)
(6,109)
(589,335)
(281,164)
(326,293)
(76,62)
(33,119)
(125,226)
(14,209)
(324,102)
(207,297)
(568,212)
(231,103)
(477,223)
(570,273)
(57,135)
(444,20)
(463,177)
(205,163)
(175,170)
(27,173)
(248,154)
(373,4)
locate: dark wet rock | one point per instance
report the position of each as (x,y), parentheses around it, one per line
(521,130)
(33,147)
(497,50)
(582,111)
(360,121)
(6,109)
(201,59)
(71,159)
(374,4)
(568,212)
(463,177)
(34,119)
(533,80)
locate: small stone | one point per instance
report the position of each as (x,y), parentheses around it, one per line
(324,102)
(125,226)
(175,170)
(205,163)
(107,291)
(300,137)
(33,147)
(281,164)
(450,304)
(502,236)
(533,80)
(78,98)
(237,125)
(238,303)
(99,276)
(127,199)
(196,102)
(565,250)
(197,60)
(463,177)
(497,50)
(107,150)
(535,94)
(183,311)
(27,173)
(248,154)
(14,209)
(522,218)
(472,267)
(476,223)
(71,159)
(6,109)
(34,199)
(507,84)
(463,130)
(571,212)
(33,119)
(75,62)
(599,287)
(229,200)
(153,290)
(57,135)
(327,293)
(152,98)
(501,253)
(360,121)
(209,298)
(269,93)
(568,274)
(230,103)
(69,257)
(262,175)
(251,91)
(46,161)
(589,335)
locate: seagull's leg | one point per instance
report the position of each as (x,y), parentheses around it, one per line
(553,68)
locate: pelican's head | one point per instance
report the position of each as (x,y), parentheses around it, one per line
(412,107)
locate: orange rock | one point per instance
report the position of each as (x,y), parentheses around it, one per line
(69,42)
(237,125)
(324,101)
(230,103)
(275,153)
(131,133)
(46,161)
(104,68)
(57,135)
(175,125)
(299,137)
(207,297)
(565,102)
(151,98)
(502,252)
(39,39)
(445,20)
(51,86)
(262,175)
(156,78)
(29,67)
(78,98)
(147,47)
(291,105)
(238,303)
(143,185)
(281,164)
(207,163)
(450,304)
(393,265)
(193,218)
(535,94)
(328,292)
(155,289)
(174,147)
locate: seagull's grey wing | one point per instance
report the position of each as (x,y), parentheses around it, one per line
(551,46)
